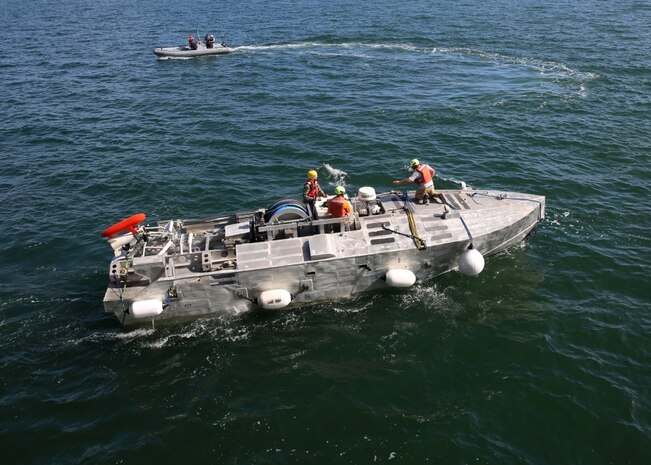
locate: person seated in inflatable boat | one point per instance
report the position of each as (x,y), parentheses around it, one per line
(192,43)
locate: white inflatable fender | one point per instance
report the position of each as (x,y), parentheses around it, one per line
(274,299)
(471,262)
(400,278)
(146,308)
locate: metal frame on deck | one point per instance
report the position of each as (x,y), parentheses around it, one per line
(290,228)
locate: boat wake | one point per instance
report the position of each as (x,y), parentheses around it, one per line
(175,58)
(554,77)
(324,45)
(543,66)
(545,69)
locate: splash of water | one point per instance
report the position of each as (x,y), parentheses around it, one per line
(338,176)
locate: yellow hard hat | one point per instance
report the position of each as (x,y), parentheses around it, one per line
(340,190)
(312,174)
(414,162)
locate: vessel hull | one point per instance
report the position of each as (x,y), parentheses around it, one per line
(215,275)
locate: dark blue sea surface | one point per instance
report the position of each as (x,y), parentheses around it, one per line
(544,358)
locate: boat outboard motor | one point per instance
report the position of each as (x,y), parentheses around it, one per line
(367,196)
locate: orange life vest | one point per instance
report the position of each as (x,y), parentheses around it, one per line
(314,188)
(339,207)
(425,174)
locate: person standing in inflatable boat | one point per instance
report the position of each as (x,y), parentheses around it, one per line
(423,177)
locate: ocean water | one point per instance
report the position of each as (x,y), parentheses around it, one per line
(544,358)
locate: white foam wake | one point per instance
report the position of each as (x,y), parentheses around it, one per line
(542,66)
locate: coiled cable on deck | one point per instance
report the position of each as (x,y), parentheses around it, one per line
(420,244)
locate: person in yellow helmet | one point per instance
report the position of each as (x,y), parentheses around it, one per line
(423,176)
(312,192)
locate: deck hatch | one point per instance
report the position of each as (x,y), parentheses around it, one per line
(322,246)
(267,254)
(393,203)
